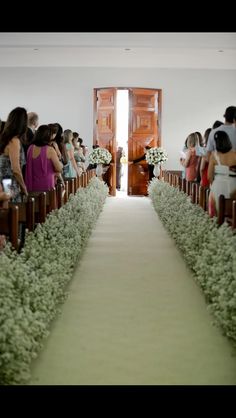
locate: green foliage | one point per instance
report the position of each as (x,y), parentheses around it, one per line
(32,284)
(209,250)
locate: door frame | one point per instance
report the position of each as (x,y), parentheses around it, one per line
(95,120)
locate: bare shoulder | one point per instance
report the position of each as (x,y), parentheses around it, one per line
(50,151)
(14,141)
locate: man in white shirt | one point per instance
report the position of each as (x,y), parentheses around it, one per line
(228,127)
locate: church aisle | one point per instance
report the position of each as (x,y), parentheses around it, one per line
(134,314)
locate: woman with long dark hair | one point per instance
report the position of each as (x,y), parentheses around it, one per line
(42,162)
(11,151)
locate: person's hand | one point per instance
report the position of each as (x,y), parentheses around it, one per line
(5,196)
(130,162)
(24,191)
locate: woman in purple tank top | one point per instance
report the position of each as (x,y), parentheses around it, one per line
(42,162)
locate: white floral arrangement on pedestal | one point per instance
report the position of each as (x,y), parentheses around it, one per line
(156,155)
(100,156)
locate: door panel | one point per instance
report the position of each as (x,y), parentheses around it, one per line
(105,128)
(144,113)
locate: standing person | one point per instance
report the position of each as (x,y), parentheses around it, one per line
(79,156)
(191,161)
(220,175)
(204,163)
(12,156)
(54,128)
(119,154)
(80,141)
(33,121)
(124,173)
(59,139)
(183,157)
(32,124)
(71,169)
(228,127)
(142,158)
(42,162)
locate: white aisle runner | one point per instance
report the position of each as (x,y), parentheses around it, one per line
(134,314)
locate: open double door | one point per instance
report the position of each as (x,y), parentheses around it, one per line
(144,129)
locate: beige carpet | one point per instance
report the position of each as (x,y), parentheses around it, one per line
(134,314)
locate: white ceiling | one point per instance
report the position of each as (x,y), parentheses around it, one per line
(119,49)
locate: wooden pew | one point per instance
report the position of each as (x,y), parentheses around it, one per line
(40,210)
(227,211)
(188,187)
(71,185)
(183,187)
(9,224)
(203,197)
(60,192)
(51,200)
(26,218)
(26,212)
(83,180)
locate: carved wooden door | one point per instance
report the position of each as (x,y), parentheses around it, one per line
(105,129)
(144,129)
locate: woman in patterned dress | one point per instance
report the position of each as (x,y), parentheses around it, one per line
(11,152)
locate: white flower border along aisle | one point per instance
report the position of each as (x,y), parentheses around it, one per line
(210,251)
(32,284)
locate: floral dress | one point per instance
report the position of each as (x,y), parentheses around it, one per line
(6,172)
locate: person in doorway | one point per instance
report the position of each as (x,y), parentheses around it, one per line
(142,158)
(119,154)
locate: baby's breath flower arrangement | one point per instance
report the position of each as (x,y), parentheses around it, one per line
(156,155)
(100,156)
(209,250)
(32,283)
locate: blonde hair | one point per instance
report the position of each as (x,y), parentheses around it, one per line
(192,140)
(66,134)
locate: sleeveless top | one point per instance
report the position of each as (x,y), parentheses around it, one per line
(6,172)
(191,170)
(68,169)
(40,174)
(224,181)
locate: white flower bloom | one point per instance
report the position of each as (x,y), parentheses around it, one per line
(100,156)
(156,155)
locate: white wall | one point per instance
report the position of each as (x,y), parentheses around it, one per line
(192,99)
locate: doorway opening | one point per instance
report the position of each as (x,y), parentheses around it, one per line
(122,121)
(135,125)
